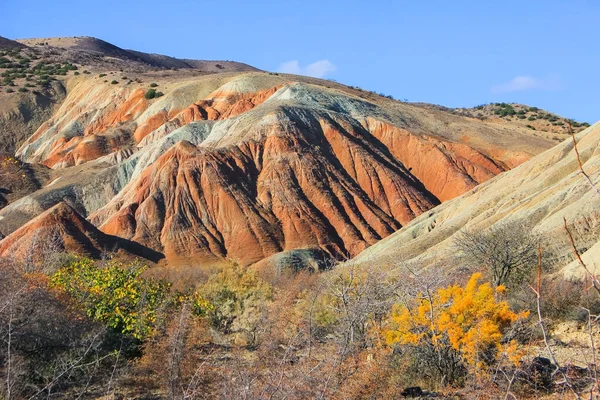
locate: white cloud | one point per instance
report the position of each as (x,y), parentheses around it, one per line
(318,69)
(526,82)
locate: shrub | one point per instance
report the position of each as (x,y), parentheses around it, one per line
(565,300)
(505,110)
(153,85)
(150,94)
(353,299)
(22,90)
(114,82)
(507,251)
(101,75)
(233,299)
(116,295)
(9,90)
(76,73)
(456,328)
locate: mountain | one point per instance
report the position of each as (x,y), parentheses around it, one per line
(62,229)
(7,44)
(539,195)
(245,165)
(81,47)
(35,71)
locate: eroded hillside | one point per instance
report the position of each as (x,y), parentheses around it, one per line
(239,166)
(539,195)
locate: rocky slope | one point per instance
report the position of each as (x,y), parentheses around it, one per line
(7,44)
(245,165)
(538,195)
(62,229)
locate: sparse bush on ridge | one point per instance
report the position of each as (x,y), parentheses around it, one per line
(150,94)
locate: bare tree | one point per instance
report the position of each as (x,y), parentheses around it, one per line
(508,251)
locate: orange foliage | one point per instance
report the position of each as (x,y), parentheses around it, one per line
(469,318)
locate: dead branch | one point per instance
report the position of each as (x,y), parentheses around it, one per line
(537,291)
(594,278)
(579,160)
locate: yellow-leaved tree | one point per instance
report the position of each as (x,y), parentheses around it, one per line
(454,329)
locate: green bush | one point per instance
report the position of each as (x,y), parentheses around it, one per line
(9,90)
(504,110)
(150,94)
(101,75)
(153,84)
(116,295)
(22,90)
(114,82)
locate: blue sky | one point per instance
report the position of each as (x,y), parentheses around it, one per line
(455,53)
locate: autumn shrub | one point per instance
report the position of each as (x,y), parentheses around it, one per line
(234,300)
(351,302)
(454,330)
(116,294)
(568,301)
(48,348)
